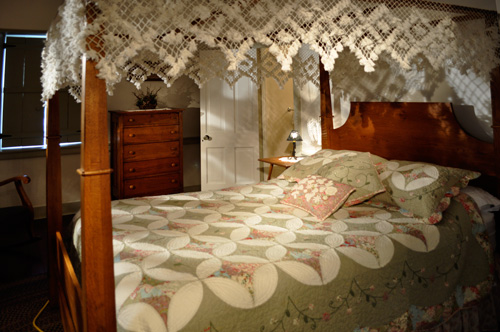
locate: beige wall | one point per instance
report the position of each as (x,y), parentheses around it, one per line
(36,15)
(183,93)
(481,4)
(30,15)
(277,122)
(35,168)
(463,91)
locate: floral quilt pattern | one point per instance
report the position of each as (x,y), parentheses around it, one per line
(239,260)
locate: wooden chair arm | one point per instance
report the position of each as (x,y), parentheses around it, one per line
(21,178)
(18,181)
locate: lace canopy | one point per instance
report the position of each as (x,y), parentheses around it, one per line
(260,38)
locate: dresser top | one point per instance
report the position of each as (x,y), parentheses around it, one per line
(150,111)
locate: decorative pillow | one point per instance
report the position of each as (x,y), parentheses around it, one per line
(422,189)
(356,169)
(318,195)
(307,166)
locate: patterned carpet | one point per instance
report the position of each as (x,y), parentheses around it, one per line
(22,300)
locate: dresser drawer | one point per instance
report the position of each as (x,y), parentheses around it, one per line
(133,135)
(150,151)
(155,185)
(136,169)
(136,118)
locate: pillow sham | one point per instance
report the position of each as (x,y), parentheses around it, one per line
(318,195)
(308,166)
(356,169)
(422,189)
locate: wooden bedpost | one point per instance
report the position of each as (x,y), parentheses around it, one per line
(326,107)
(53,197)
(98,282)
(495,108)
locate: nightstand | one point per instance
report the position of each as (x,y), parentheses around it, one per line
(285,161)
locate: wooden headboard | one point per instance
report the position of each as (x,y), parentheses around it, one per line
(427,132)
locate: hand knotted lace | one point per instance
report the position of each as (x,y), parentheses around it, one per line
(259,39)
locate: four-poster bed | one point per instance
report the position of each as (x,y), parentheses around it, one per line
(92,307)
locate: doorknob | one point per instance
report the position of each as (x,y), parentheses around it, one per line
(206,138)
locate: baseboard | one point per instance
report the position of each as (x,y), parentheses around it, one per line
(67,208)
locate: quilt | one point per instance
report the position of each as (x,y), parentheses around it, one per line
(239,260)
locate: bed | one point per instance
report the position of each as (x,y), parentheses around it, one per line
(241,259)
(252,258)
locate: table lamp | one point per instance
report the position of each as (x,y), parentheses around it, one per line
(294,137)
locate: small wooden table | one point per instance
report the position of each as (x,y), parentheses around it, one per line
(276,161)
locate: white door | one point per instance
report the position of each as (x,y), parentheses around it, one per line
(230,134)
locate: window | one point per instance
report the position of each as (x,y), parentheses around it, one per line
(22,113)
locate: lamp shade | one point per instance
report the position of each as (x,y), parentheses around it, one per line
(294,136)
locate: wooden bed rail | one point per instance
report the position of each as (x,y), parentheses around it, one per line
(70,291)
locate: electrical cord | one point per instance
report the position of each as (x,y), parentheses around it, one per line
(38,314)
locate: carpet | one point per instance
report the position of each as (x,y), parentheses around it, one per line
(22,300)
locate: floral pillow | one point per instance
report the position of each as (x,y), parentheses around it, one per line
(318,195)
(422,189)
(356,169)
(308,166)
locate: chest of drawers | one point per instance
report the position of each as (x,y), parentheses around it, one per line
(146,152)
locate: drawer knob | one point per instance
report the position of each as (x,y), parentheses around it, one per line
(131,186)
(174,164)
(131,120)
(131,152)
(174,181)
(131,170)
(131,135)
(173,148)
(172,131)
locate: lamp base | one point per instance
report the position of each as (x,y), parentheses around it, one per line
(293,150)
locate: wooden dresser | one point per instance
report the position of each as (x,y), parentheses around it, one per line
(146,152)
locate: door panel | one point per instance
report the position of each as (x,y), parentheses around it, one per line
(229,127)
(215,166)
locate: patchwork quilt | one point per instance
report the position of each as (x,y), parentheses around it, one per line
(239,260)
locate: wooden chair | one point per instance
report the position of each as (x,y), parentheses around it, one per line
(17,222)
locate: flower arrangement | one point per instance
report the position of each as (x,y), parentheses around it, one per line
(146,100)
